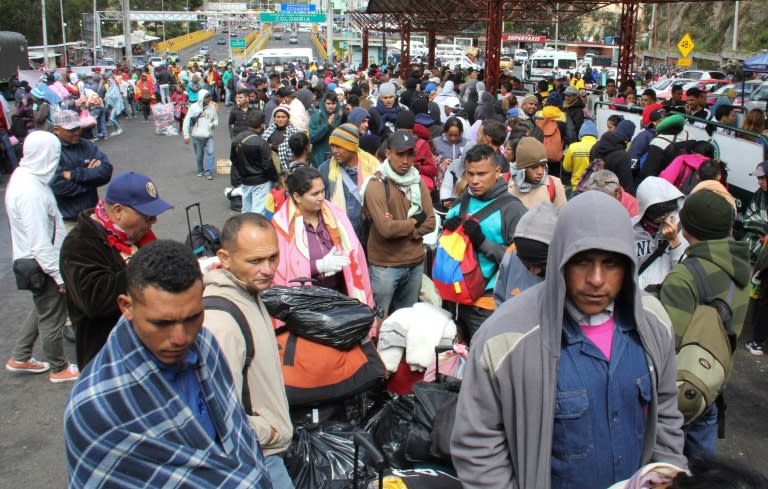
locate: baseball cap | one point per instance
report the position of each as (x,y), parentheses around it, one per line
(402,141)
(66,119)
(452,103)
(138,192)
(761,170)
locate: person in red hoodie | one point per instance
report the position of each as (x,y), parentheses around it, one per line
(424,162)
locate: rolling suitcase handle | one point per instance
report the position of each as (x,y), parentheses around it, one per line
(199,215)
(376,458)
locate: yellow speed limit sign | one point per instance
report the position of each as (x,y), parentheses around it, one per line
(686,45)
(684,62)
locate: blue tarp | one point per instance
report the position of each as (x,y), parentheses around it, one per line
(757,64)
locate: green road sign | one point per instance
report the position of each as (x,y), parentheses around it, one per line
(237,43)
(291,17)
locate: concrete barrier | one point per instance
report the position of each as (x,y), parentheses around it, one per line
(184,41)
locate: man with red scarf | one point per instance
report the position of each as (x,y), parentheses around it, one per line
(95,254)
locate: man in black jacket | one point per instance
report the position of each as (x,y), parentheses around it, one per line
(82,169)
(612,148)
(252,165)
(95,253)
(574,111)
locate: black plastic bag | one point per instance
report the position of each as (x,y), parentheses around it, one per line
(320,314)
(390,427)
(429,400)
(323,457)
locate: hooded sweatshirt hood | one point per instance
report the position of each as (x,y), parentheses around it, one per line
(588,129)
(201,94)
(608,143)
(655,190)
(41,155)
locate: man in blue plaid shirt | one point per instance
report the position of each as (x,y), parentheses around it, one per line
(157,407)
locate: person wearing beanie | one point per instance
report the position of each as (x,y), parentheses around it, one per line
(321,125)
(576,159)
(707,220)
(279,132)
(574,109)
(656,228)
(345,173)
(612,149)
(524,264)
(384,113)
(529,105)
(529,179)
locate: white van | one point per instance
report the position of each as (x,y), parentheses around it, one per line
(464,62)
(521,56)
(547,62)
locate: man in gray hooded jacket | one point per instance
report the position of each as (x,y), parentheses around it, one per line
(572,383)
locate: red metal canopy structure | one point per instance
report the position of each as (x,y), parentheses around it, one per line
(452,16)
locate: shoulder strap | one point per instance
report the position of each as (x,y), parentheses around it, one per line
(489,209)
(551,188)
(218,303)
(657,253)
(707,297)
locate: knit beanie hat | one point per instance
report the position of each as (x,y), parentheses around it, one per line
(672,124)
(707,215)
(387,89)
(626,130)
(530,152)
(405,120)
(282,108)
(358,115)
(345,136)
(555,99)
(538,223)
(534,232)
(530,99)
(587,129)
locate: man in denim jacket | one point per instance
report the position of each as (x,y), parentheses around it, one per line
(571,384)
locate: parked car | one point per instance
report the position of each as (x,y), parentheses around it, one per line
(156,61)
(664,92)
(521,56)
(221,41)
(505,63)
(758,99)
(172,56)
(739,91)
(702,75)
(233,34)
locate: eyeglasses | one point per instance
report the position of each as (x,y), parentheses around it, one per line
(146,218)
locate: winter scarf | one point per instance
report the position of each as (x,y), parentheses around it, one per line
(116,237)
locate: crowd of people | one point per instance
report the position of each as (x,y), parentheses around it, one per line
(578,243)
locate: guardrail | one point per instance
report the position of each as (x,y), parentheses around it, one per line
(183,41)
(319,46)
(741,155)
(258,41)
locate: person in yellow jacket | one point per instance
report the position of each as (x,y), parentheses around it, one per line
(576,160)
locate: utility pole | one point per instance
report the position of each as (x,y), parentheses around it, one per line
(557,24)
(127,36)
(63,31)
(45,35)
(329,31)
(735,26)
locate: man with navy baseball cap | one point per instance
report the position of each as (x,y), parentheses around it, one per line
(95,254)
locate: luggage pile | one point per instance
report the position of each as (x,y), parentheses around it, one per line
(347,431)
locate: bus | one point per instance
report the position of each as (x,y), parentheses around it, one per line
(277,58)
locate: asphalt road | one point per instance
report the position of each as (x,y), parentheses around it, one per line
(31,434)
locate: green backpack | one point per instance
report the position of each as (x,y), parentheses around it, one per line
(705,350)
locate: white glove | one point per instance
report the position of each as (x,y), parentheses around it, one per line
(331,263)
